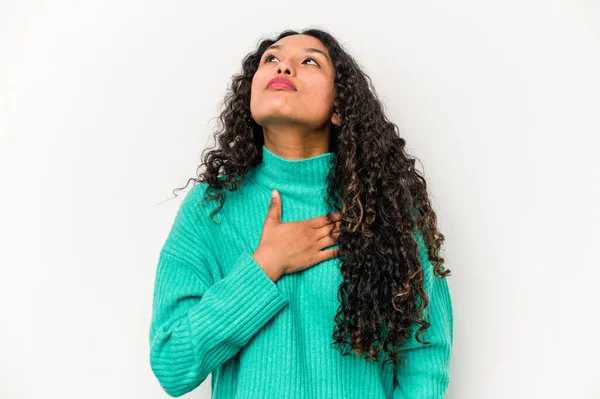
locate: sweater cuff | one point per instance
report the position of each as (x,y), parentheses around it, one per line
(242,303)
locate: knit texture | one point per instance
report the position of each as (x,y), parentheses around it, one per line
(216,311)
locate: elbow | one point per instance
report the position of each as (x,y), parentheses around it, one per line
(177,371)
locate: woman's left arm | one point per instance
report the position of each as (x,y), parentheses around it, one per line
(427,373)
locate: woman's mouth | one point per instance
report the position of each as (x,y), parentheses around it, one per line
(279,83)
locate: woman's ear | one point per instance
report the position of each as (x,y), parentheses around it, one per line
(336,119)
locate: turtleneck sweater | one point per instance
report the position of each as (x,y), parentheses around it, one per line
(216,312)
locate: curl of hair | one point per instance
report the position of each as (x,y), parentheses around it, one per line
(384,204)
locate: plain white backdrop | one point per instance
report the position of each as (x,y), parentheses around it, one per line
(106,106)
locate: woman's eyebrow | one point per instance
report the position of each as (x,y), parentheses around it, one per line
(306,50)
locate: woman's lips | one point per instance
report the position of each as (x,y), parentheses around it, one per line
(281,85)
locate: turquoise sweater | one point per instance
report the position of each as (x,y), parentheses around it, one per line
(216,311)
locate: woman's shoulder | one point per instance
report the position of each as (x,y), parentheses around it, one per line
(189,204)
(202,198)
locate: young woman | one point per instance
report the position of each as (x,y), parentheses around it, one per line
(315,291)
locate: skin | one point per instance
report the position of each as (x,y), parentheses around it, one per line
(296,123)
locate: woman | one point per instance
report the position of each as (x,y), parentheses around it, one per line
(313,292)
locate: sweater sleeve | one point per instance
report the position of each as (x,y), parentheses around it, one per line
(426,374)
(200,320)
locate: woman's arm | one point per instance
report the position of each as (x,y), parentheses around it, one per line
(427,373)
(200,320)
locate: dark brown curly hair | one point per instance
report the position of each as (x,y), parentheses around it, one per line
(384,203)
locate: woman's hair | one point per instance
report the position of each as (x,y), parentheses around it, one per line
(384,204)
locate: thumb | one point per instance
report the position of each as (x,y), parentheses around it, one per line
(274,212)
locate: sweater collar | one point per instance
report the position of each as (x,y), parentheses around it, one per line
(298,175)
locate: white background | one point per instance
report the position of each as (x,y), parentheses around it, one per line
(106,106)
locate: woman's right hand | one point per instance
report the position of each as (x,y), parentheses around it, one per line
(290,247)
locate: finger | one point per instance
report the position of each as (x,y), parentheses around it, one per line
(320,221)
(327,230)
(328,240)
(335,217)
(328,254)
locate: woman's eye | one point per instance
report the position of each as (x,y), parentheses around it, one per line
(270,56)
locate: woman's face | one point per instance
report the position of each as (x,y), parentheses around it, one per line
(310,105)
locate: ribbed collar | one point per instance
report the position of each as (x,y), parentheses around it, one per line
(293,176)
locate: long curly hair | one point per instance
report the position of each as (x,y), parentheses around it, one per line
(384,204)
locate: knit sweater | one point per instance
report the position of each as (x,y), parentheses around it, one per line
(216,312)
